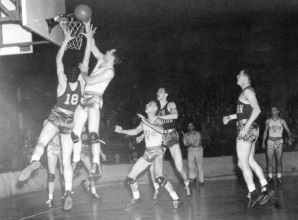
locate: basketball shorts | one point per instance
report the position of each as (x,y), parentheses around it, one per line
(86,150)
(252,134)
(62,119)
(274,143)
(92,100)
(170,139)
(152,152)
(54,150)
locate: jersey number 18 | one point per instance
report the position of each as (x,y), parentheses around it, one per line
(72,99)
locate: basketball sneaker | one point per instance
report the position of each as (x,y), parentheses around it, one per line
(279,180)
(134,202)
(267,194)
(177,204)
(94,169)
(50,203)
(67,201)
(26,173)
(270,180)
(95,196)
(255,196)
(155,197)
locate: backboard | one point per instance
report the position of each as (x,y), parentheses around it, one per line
(34,13)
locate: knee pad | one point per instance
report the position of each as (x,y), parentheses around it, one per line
(94,137)
(74,137)
(161,181)
(51,177)
(130,180)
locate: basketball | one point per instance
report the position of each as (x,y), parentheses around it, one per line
(83,13)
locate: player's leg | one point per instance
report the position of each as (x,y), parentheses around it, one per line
(90,180)
(267,192)
(279,153)
(155,184)
(137,168)
(270,155)
(48,132)
(79,120)
(177,157)
(93,126)
(52,163)
(199,161)
(243,152)
(67,148)
(163,182)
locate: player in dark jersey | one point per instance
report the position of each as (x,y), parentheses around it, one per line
(60,120)
(86,155)
(169,114)
(248,131)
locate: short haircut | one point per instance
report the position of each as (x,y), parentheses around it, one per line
(278,107)
(191,122)
(119,57)
(249,72)
(168,90)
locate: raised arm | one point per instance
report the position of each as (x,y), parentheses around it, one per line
(130,132)
(89,36)
(265,133)
(174,113)
(284,123)
(59,57)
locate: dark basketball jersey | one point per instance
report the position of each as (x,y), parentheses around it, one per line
(69,100)
(167,123)
(243,110)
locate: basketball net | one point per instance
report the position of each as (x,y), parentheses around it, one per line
(72,24)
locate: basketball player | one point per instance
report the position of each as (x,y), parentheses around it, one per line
(248,131)
(169,114)
(275,126)
(92,102)
(153,155)
(86,154)
(53,154)
(61,118)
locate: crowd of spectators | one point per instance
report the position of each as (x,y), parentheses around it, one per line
(205,105)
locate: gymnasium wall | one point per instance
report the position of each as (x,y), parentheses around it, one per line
(214,169)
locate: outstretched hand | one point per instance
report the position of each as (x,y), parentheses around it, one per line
(67,35)
(104,157)
(118,129)
(89,31)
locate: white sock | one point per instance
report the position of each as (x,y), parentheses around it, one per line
(174,195)
(96,160)
(136,194)
(35,157)
(186,183)
(93,190)
(278,175)
(51,196)
(251,187)
(68,186)
(263,182)
(156,186)
(76,158)
(270,175)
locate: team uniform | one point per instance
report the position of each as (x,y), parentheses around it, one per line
(153,141)
(243,114)
(92,97)
(54,147)
(170,136)
(62,114)
(275,139)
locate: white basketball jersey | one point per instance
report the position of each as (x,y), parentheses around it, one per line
(98,87)
(275,128)
(152,138)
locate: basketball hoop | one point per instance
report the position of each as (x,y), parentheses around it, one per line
(70,22)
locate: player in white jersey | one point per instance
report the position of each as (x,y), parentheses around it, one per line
(92,102)
(153,131)
(275,126)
